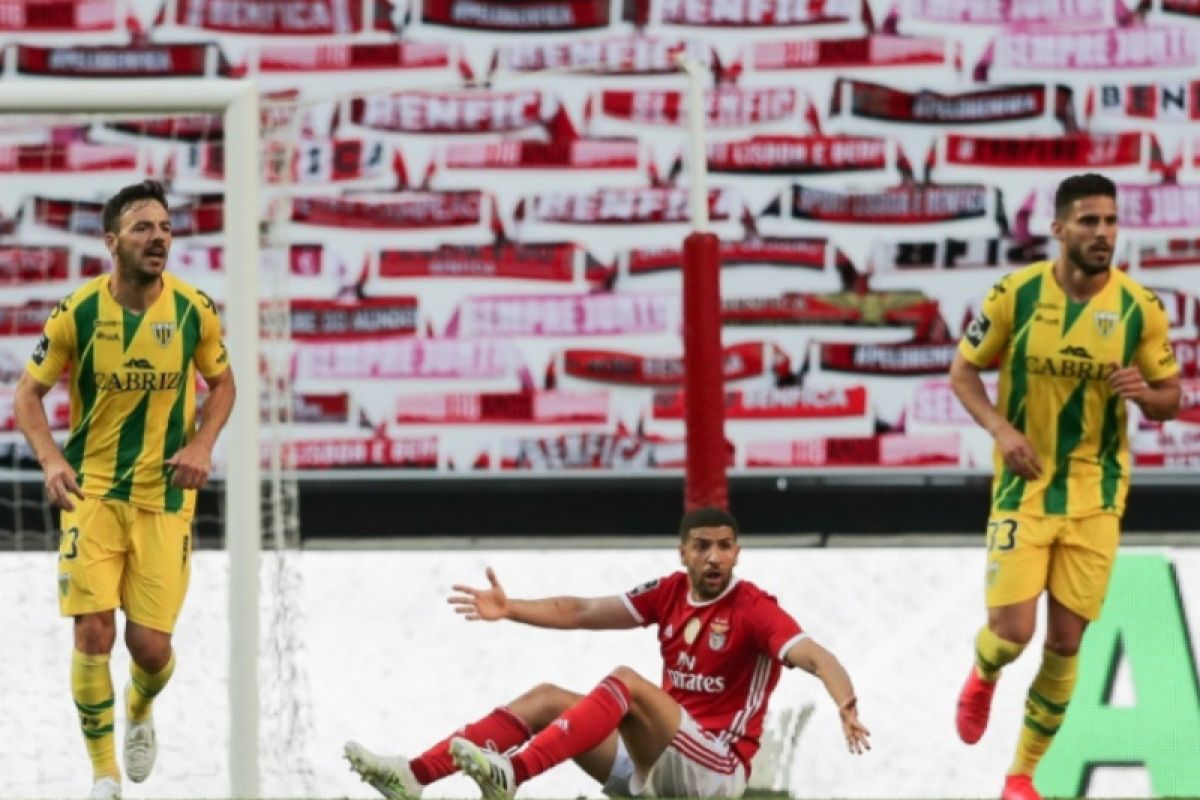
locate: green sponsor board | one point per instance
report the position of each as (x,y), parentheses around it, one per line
(1142,624)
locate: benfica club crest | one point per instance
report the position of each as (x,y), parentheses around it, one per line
(163,332)
(718,634)
(1106,321)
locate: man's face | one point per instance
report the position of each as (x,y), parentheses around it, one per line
(709,555)
(142,241)
(1088,233)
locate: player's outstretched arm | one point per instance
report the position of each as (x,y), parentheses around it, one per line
(816,660)
(191,464)
(490,604)
(61,482)
(1018,454)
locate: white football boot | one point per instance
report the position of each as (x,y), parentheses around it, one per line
(141,748)
(105,788)
(492,771)
(390,775)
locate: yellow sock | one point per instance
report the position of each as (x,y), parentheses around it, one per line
(1045,707)
(92,689)
(145,687)
(992,653)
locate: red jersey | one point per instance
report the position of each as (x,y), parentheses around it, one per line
(721,657)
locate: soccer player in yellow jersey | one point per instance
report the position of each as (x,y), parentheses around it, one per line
(1077,341)
(125,481)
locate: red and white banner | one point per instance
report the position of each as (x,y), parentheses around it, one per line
(627,206)
(566,315)
(865,51)
(1065,151)
(453,112)
(182,128)
(635,55)
(798,155)
(348,57)
(976,107)
(754,13)
(831,402)
(418,452)
(953,253)
(934,403)
(408,210)
(837,308)
(125,61)
(56,403)
(888,359)
(1187,355)
(538,262)
(67,157)
(905,205)
(1168,253)
(270,17)
(312,408)
(738,362)
(800,253)
(505,15)
(1189,402)
(415,359)
(308,161)
(503,408)
(724,106)
(1008,12)
(1134,47)
(59,16)
(1164,101)
(83,217)
(364,318)
(886,450)
(618,451)
(33,263)
(25,320)
(557,154)
(1187,8)
(1155,206)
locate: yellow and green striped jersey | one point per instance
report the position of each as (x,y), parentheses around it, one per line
(132,385)
(1055,359)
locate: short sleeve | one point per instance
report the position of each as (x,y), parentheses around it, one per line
(987,334)
(1155,358)
(56,346)
(775,631)
(211,357)
(646,601)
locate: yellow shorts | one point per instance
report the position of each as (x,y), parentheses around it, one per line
(113,553)
(1071,556)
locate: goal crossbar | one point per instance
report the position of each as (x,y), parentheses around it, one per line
(238,101)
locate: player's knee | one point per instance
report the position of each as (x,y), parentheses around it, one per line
(1063,646)
(95,633)
(538,707)
(627,675)
(150,650)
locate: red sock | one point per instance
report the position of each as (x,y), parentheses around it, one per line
(499,731)
(580,728)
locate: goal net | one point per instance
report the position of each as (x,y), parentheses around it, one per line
(236,715)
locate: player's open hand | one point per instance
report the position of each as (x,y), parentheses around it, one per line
(1018,454)
(61,484)
(190,466)
(1128,383)
(857,736)
(481,604)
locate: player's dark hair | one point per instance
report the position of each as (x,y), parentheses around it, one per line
(116,205)
(1077,187)
(706,517)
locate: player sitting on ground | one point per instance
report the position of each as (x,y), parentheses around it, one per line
(722,641)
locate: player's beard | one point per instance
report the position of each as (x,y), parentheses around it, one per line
(1089,261)
(703,589)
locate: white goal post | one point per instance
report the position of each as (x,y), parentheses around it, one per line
(238,101)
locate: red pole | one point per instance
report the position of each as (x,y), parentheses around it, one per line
(704,380)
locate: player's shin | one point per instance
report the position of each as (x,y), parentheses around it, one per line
(992,653)
(92,690)
(579,729)
(499,731)
(145,687)
(1045,708)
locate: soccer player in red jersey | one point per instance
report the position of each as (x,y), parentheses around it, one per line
(723,643)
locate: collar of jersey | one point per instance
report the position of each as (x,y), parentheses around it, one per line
(702,603)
